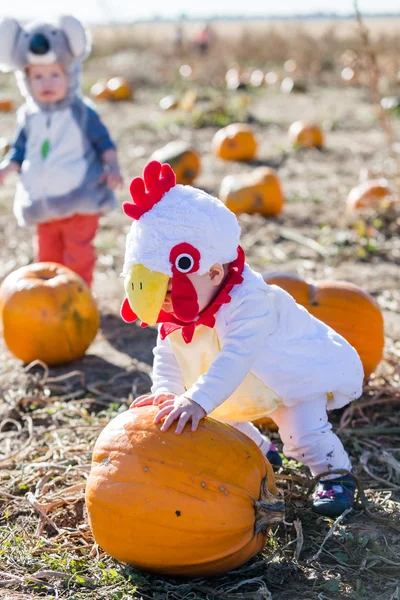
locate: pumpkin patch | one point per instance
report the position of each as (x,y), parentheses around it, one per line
(257,192)
(348,309)
(171,504)
(47,313)
(235,142)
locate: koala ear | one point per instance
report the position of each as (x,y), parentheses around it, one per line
(10,30)
(79,38)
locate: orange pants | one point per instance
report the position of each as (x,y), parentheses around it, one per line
(69,242)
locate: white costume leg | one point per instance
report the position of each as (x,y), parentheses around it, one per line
(308,437)
(253,433)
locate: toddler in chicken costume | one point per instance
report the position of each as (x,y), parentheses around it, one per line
(229,345)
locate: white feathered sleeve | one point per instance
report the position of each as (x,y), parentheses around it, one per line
(251,318)
(167,376)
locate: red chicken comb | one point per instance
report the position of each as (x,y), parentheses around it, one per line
(157,180)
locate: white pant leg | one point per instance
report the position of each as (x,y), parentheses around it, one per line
(253,433)
(308,437)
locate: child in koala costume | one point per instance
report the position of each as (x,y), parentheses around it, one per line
(66,159)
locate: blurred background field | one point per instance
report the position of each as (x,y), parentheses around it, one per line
(314,70)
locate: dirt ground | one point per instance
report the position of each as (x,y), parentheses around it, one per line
(361,558)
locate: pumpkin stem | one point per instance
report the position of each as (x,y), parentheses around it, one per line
(269,508)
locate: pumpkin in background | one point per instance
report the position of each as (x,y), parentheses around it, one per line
(48,313)
(372,193)
(119,88)
(100,91)
(169,103)
(235,142)
(6,104)
(306,135)
(184,160)
(345,307)
(266,422)
(195,504)
(256,192)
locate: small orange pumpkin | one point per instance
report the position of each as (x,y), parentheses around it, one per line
(177,505)
(48,313)
(184,160)
(6,104)
(100,91)
(169,103)
(257,192)
(267,423)
(372,193)
(306,135)
(345,307)
(119,88)
(235,142)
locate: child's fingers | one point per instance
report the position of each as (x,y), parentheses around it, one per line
(173,415)
(142,401)
(168,402)
(195,422)
(183,419)
(162,413)
(163,397)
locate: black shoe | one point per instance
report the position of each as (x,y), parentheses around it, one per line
(333,496)
(274,457)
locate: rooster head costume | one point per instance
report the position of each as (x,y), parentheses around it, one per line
(177,230)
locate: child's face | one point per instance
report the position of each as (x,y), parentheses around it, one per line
(49,83)
(206,286)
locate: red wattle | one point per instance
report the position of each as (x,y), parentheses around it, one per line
(127,313)
(184,298)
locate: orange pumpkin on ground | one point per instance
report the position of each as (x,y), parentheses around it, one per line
(235,142)
(100,91)
(306,135)
(196,504)
(48,313)
(348,309)
(257,192)
(372,193)
(169,103)
(267,422)
(184,160)
(6,104)
(120,88)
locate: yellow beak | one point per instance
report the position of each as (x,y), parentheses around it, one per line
(146,291)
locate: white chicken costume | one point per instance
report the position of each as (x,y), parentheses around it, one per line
(253,351)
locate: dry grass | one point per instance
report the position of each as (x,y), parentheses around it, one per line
(48,426)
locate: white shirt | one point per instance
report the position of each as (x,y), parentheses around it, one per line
(263,331)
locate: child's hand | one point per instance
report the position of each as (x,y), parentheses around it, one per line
(112,179)
(6,169)
(180,409)
(151,399)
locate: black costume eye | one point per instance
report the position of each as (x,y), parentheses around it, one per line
(184,263)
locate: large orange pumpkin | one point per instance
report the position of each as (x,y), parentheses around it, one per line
(348,309)
(48,313)
(306,135)
(256,192)
(235,142)
(195,504)
(369,194)
(184,160)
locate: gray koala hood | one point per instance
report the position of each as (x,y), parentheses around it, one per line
(65,42)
